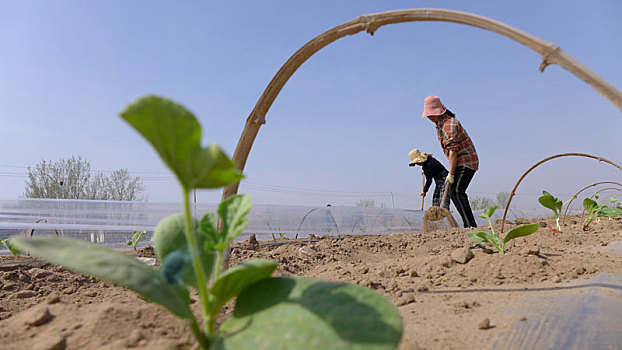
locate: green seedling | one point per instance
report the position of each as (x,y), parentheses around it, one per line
(555,204)
(609,212)
(592,208)
(493,238)
(270,313)
(15,251)
(135,238)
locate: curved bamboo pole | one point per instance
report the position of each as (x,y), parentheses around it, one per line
(551,54)
(608,188)
(600,159)
(583,189)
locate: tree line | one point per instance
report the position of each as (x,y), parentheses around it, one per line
(73,179)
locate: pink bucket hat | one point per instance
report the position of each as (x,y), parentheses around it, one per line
(432,105)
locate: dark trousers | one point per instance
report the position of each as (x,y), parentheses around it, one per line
(439,190)
(457,192)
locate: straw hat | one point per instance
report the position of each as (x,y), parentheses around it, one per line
(417,157)
(432,105)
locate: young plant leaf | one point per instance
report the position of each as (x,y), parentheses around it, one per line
(175,134)
(208,227)
(233,211)
(304,313)
(521,231)
(609,212)
(169,236)
(550,202)
(590,205)
(234,280)
(474,237)
(490,237)
(15,251)
(487,214)
(486,236)
(112,266)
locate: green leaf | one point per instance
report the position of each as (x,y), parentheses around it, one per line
(487,214)
(521,231)
(233,211)
(15,251)
(474,237)
(590,205)
(304,313)
(486,236)
(175,134)
(208,227)
(170,236)
(548,201)
(112,266)
(609,212)
(234,280)
(613,199)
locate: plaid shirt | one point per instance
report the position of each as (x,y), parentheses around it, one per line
(453,137)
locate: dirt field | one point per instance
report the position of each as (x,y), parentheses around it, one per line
(451,294)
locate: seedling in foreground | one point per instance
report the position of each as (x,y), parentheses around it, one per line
(553,203)
(135,238)
(493,238)
(15,251)
(270,313)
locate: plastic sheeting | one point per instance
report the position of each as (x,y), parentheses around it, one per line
(113,222)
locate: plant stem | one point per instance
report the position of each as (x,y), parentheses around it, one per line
(499,245)
(200,336)
(211,321)
(195,252)
(218,266)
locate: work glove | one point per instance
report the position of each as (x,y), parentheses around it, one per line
(449,179)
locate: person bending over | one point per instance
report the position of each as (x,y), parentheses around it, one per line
(432,169)
(459,149)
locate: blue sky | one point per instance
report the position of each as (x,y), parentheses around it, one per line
(342,127)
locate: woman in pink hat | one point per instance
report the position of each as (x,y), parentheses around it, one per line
(459,149)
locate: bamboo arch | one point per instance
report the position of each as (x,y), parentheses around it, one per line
(583,189)
(600,159)
(608,188)
(551,54)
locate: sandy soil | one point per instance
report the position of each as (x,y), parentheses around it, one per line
(450,293)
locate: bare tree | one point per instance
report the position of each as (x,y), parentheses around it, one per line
(478,203)
(71,179)
(122,187)
(368,203)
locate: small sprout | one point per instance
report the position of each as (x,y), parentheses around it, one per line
(553,203)
(135,238)
(592,208)
(493,238)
